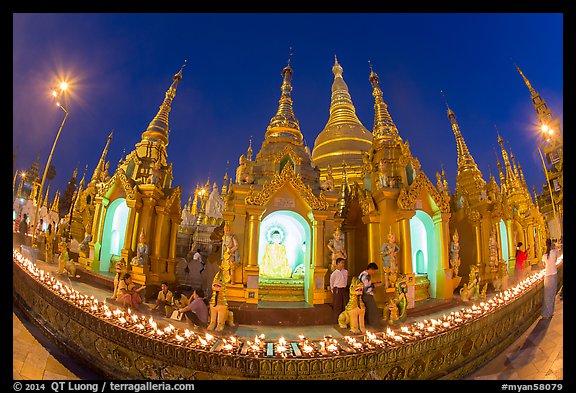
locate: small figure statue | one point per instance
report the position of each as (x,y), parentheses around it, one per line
(65,264)
(141,257)
(230,255)
(353,314)
(120,271)
(439,185)
(390,265)
(155,173)
(242,175)
(337,247)
(493,247)
(85,244)
(105,174)
(471,290)
(500,283)
(328,184)
(398,305)
(391,312)
(219,313)
(367,168)
(382,177)
(455,253)
(402,299)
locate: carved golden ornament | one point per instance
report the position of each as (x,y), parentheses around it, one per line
(365,199)
(287,151)
(120,175)
(260,198)
(406,199)
(175,195)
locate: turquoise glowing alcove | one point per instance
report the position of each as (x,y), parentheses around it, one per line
(504,240)
(114,231)
(424,248)
(295,233)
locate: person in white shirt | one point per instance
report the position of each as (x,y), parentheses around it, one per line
(372,316)
(197,256)
(550,280)
(338,284)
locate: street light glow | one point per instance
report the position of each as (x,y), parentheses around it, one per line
(544,127)
(63,86)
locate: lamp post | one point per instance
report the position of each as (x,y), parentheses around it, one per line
(63,87)
(547,130)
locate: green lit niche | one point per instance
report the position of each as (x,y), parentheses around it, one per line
(114,231)
(283,245)
(504,240)
(422,241)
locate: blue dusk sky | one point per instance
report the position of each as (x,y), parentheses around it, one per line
(120,66)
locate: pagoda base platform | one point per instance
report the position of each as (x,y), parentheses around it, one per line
(270,313)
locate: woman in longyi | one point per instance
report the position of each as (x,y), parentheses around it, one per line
(274,263)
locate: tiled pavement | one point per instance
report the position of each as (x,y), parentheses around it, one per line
(535,355)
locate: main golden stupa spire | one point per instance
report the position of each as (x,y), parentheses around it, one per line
(344,138)
(100,167)
(284,125)
(383,124)
(158,127)
(342,109)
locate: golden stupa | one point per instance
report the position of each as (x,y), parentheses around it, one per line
(344,139)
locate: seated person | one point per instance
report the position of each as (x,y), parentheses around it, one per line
(129,295)
(164,300)
(179,300)
(197,310)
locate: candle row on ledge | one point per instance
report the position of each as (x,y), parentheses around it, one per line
(259,346)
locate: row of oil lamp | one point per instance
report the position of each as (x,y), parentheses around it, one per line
(259,346)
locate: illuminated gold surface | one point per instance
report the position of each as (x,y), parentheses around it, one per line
(344,138)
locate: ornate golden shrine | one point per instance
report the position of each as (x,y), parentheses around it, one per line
(140,196)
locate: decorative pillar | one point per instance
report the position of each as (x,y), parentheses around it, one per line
(148,203)
(442,287)
(254,216)
(134,232)
(372,220)
(127,249)
(160,221)
(478,238)
(403,219)
(315,285)
(511,248)
(252,270)
(173,233)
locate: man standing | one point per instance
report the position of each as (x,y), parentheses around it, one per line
(23,228)
(371,316)
(338,283)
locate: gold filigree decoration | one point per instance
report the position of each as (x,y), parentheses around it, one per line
(365,199)
(175,196)
(406,199)
(287,151)
(287,175)
(120,175)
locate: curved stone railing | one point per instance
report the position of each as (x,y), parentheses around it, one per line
(122,345)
